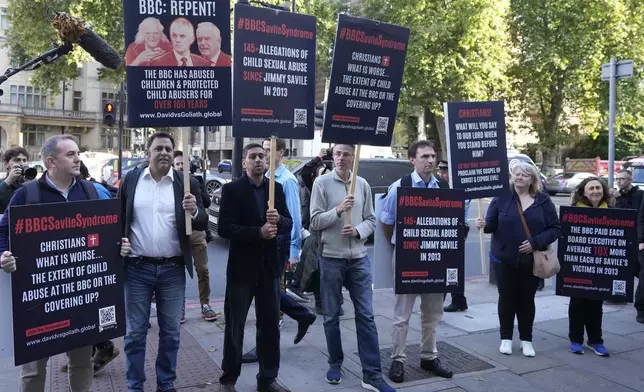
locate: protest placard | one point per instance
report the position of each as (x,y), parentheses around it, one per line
(366,76)
(430,241)
(67,290)
(274,92)
(598,253)
(178,63)
(477,152)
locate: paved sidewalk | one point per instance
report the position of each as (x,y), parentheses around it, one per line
(468,342)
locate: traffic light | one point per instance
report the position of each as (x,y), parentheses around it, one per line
(320,110)
(108,114)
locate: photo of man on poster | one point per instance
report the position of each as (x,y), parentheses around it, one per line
(150,42)
(182,36)
(209,40)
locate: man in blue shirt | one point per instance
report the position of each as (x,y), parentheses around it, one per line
(459,302)
(423,157)
(288,246)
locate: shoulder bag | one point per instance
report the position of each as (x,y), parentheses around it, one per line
(546,265)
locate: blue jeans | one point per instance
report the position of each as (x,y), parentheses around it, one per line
(168,284)
(355,275)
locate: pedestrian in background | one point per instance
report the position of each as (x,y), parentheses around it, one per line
(584,312)
(512,246)
(199,248)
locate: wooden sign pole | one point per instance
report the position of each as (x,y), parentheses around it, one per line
(185,143)
(271,170)
(354,175)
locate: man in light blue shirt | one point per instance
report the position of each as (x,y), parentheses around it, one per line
(459,302)
(288,247)
(423,157)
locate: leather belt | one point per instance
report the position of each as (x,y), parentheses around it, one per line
(156,260)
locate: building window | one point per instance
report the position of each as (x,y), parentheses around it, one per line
(75,132)
(27,96)
(33,135)
(78,100)
(108,138)
(4,22)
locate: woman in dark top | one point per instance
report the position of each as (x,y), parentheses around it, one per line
(511,250)
(583,312)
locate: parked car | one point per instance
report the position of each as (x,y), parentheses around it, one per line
(110,176)
(214,182)
(225,165)
(565,182)
(379,173)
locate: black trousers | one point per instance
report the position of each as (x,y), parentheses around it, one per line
(239,296)
(517,287)
(639,292)
(583,312)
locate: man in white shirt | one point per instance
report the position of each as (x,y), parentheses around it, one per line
(154,205)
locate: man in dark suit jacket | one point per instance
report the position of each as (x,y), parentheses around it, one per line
(254,269)
(157,254)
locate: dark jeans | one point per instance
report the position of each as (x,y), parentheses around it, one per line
(292,308)
(168,284)
(639,293)
(355,275)
(517,287)
(239,296)
(583,312)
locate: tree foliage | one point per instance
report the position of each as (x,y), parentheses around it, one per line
(561,47)
(31,34)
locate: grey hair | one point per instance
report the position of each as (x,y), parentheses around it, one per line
(50,147)
(140,36)
(209,25)
(528,168)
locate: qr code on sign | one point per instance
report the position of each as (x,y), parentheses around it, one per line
(451,276)
(299,117)
(106,316)
(619,287)
(383,124)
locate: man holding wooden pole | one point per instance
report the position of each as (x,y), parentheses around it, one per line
(337,196)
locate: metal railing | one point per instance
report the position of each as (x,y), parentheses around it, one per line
(51,113)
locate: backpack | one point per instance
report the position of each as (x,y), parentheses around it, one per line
(32,191)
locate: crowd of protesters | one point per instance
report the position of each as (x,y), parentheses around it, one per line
(314,228)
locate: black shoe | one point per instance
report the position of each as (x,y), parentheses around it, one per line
(250,357)
(541,284)
(397,372)
(435,366)
(167,390)
(227,388)
(455,308)
(272,386)
(302,327)
(640,317)
(104,355)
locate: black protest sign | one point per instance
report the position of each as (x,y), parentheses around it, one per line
(274,92)
(430,241)
(178,63)
(67,290)
(597,253)
(366,75)
(477,153)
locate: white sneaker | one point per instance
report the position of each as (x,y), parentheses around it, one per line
(527,349)
(506,347)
